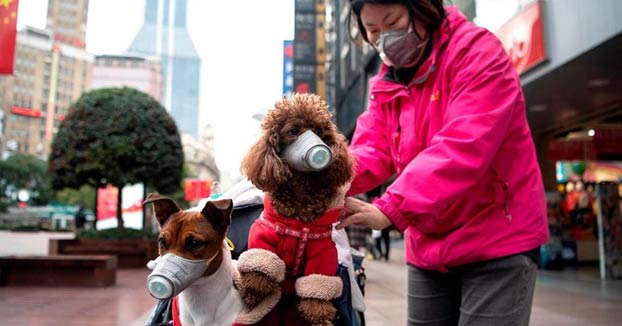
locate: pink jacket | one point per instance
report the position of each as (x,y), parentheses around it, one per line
(468,186)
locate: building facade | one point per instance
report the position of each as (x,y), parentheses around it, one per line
(48,77)
(66,19)
(199,155)
(52,70)
(164,35)
(141,73)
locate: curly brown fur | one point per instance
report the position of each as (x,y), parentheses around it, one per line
(301,195)
(254,287)
(317,312)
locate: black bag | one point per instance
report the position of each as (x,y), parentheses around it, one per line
(344,302)
(162,315)
(242,218)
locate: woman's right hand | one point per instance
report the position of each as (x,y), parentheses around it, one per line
(363,213)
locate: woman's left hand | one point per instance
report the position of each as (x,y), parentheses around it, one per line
(362,213)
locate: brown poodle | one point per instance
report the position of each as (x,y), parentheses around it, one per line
(310,200)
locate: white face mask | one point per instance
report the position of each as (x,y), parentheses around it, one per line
(172,274)
(308,153)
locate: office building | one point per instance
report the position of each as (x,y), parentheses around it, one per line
(164,34)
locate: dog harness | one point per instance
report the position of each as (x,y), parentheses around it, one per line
(303,235)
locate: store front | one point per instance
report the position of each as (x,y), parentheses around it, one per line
(571,74)
(584,218)
(575,113)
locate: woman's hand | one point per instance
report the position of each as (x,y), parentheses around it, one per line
(362,213)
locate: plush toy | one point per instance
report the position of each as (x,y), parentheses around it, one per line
(302,163)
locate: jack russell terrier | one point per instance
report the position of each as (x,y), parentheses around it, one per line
(195,263)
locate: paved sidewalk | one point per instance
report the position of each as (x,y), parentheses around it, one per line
(127,303)
(560,299)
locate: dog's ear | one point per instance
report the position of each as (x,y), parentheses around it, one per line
(262,164)
(163,207)
(218,213)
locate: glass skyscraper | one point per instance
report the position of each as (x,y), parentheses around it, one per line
(164,34)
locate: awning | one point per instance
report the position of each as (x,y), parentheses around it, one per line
(600,143)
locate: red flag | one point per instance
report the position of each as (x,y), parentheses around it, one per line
(8,30)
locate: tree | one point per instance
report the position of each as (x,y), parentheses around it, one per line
(117,136)
(84,196)
(23,171)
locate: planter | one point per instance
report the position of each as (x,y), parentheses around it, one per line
(62,270)
(131,253)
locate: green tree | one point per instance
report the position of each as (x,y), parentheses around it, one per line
(117,136)
(85,196)
(23,171)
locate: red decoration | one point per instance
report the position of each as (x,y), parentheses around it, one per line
(8,33)
(522,38)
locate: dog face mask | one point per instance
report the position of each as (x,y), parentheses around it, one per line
(172,274)
(308,153)
(400,48)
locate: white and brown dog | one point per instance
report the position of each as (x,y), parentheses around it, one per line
(195,263)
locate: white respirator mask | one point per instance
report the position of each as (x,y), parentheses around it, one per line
(308,153)
(172,274)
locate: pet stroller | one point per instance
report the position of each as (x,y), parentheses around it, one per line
(247,207)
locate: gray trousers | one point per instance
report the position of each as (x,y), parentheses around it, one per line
(496,292)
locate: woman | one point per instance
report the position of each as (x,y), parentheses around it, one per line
(447,117)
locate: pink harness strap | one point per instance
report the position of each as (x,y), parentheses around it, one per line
(304,235)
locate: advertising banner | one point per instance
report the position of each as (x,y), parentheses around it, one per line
(523,39)
(304,37)
(132,206)
(196,189)
(288,67)
(310,47)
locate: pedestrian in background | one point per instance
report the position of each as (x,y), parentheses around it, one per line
(447,116)
(358,235)
(79,219)
(382,237)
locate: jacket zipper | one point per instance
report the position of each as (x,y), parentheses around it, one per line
(505,200)
(397,134)
(506,192)
(396,140)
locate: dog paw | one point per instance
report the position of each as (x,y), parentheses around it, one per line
(254,287)
(263,261)
(317,312)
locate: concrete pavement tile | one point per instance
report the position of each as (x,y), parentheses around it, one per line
(121,304)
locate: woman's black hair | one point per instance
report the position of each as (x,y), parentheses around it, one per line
(430,12)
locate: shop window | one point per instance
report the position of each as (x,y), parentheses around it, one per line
(585,190)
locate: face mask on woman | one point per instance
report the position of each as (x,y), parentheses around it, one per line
(400,48)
